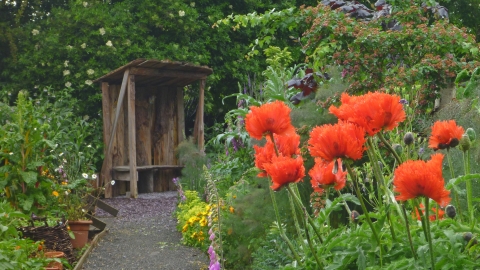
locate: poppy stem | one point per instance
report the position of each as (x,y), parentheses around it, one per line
(468,183)
(376,170)
(427,221)
(408,232)
(280,229)
(418,210)
(307,233)
(345,203)
(274,144)
(295,221)
(310,220)
(364,208)
(389,147)
(453,189)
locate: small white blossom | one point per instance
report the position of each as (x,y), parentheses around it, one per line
(85,175)
(85,4)
(68,84)
(230,6)
(94,176)
(113,182)
(192,4)
(89,145)
(65,161)
(69,47)
(181,13)
(66,192)
(66,72)
(83,45)
(11,153)
(66,63)
(88,82)
(61,154)
(102,31)
(90,71)
(35,32)
(109,43)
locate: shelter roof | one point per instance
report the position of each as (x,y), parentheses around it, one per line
(152,72)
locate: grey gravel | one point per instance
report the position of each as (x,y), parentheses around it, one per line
(143,236)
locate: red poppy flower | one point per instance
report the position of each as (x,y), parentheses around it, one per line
(342,140)
(372,111)
(263,155)
(431,217)
(269,118)
(285,170)
(287,145)
(419,178)
(322,175)
(445,134)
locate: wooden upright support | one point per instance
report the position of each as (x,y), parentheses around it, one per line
(199,131)
(132,148)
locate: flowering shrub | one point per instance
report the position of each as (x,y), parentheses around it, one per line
(192,221)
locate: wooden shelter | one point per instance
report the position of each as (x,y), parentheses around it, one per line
(141,131)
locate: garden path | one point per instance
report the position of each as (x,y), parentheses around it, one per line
(143,236)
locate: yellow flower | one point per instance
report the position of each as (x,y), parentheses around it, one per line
(203,222)
(234,196)
(184,229)
(208,207)
(55,193)
(193,235)
(232,210)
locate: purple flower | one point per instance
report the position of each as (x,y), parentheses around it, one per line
(215,266)
(212,236)
(420,151)
(403,101)
(210,250)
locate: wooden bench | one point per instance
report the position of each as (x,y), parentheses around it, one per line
(145,174)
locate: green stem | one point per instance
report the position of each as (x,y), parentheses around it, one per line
(408,232)
(300,205)
(457,201)
(390,148)
(364,208)
(427,221)
(376,170)
(295,221)
(345,203)
(466,161)
(282,233)
(416,207)
(309,240)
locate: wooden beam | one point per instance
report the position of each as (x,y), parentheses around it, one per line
(167,73)
(201,131)
(132,148)
(107,125)
(180,116)
(106,166)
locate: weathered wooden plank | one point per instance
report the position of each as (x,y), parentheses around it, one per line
(180,116)
(144,122)
(107,160)
(199,126)
(107,125)
(103,205)
(132,149)
(97,222)
(147,167)
(167,73)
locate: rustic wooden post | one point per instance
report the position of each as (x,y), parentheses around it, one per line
(180,116)
(105,174)
(132,148)
(199,128)
(107,125)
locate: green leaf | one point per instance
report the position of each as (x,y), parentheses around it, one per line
(455,181)
(29,177)
(27,204)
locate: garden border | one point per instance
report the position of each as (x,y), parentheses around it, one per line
(93,243)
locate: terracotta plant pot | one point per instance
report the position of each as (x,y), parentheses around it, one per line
(54,265)
(80,230)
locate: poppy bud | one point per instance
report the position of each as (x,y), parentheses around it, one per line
(451,211)
(408,138)
(465,143)
(468,236)
(398,148)
(471,134)
(354,216)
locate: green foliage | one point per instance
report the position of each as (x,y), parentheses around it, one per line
(193,160)
(192,220)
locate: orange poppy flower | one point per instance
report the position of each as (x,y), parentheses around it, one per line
(431,217)
(267,119)
(372,111)
(342,140)
(285,170)
(322,175)
(419,178)
(263,155)
(445,134)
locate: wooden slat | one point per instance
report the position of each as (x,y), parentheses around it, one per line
(180,116)
(107,125)
(144,115)
(149,167)
(132,150)
(167,73)
(200,127)
(108,157)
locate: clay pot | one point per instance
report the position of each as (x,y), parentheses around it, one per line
(54,265)
(80,229)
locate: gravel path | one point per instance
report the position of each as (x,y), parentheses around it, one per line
(143,236)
